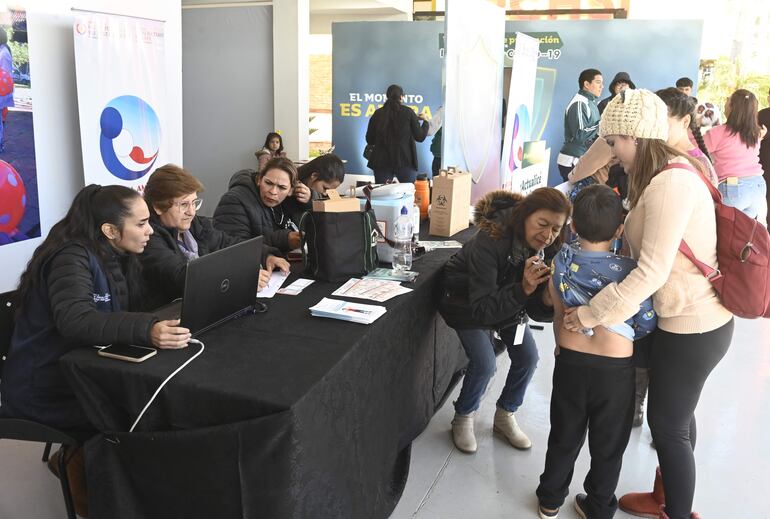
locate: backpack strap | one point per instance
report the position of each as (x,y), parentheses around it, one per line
(715,194)
(709,273)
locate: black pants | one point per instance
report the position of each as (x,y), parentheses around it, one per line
(564,171)
(595,394)
(435,167)
(679,366)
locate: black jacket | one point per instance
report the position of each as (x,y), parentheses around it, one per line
(294,209)
(764,144)
(482,283)
(399,152)
(241,214)
(74,304)
(163,263)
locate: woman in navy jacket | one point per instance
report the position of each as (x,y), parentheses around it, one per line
(82,287)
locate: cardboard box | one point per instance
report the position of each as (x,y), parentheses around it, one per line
(336,204)
(450,203)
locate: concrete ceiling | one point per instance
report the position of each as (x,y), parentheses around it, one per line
(361,6)
(332,7)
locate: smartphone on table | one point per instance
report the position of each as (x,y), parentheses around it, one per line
(127,352)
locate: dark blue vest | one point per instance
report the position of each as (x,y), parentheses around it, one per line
(33,385)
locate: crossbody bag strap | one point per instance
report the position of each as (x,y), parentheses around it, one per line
(708,272)
(715,194)
(368,194)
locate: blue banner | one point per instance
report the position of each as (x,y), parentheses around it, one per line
(369,56)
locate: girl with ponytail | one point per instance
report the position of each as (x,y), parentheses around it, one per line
(734,148)
(682,123)
(393,130)
(82,287)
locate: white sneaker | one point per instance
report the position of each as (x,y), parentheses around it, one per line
(462,433)
(505,424)
(543,514)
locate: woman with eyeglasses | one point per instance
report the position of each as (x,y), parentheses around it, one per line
(181,236)
(253,205)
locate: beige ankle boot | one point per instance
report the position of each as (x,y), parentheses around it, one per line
(505,424)
(462,433)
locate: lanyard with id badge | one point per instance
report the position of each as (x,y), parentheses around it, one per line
(521,324)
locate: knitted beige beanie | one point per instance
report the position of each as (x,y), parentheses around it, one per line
(636,113)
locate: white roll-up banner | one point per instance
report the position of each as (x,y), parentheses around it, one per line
(121,80)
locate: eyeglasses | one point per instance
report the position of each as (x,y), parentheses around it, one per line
(190,204)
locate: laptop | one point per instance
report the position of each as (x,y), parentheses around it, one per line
(218,287)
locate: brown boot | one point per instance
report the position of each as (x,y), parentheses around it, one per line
(53,462)
(76,476)
(645,504)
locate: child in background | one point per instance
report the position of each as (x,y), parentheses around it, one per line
(272,149)
(593,379)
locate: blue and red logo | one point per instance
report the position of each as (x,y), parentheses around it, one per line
(130,137)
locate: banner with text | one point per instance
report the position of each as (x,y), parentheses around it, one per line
(518,121)
(368,56)
(120,66)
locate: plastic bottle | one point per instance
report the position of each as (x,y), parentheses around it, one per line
(402,252)
(422,194)
(415,223)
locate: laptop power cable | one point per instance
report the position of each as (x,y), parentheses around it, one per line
(157,391)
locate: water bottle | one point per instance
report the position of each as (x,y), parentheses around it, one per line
(415,223)
(402,252)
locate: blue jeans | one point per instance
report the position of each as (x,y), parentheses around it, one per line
(478,347)
(748,195)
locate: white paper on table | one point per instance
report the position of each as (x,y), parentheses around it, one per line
(375,289)
(297,287)
(447,244)
(277,278)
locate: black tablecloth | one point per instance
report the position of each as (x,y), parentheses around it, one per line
(283,415)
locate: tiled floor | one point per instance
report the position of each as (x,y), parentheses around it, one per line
(498,482)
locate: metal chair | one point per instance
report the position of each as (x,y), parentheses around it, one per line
(28,430)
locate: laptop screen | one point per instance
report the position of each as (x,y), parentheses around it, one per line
(221,285)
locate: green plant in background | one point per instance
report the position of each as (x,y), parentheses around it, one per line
(19,51)
(721,77)
(311,131)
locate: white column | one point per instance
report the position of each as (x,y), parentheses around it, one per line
(291,35)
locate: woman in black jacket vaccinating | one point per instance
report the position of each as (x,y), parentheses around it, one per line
(494,284)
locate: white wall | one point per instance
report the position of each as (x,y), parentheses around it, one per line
(55,105)
(291,75)
(321,23)
(228,92)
